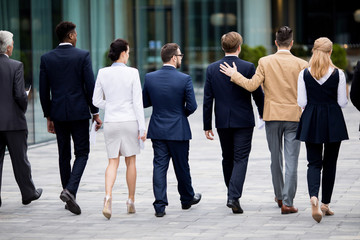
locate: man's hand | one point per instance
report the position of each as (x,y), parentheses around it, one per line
(227,70)
(98,121)
(50,126)
(209,134)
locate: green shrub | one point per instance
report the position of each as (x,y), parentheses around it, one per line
(300,51)
(338,56)
(107,61)
(252,54)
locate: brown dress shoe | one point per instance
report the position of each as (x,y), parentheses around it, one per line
(279,202)
(288,209)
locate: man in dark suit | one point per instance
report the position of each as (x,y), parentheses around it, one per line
(355,88)
(13,126)
(172,97)
(234,117)
(66,89)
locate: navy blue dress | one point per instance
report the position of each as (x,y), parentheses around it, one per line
(322,120)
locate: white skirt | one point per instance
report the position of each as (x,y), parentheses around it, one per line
(121,139)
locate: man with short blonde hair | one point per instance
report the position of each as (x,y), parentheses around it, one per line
(234,117)
(231,41)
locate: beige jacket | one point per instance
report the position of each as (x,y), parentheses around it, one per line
(279,75)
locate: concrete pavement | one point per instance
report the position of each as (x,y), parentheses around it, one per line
(210,219)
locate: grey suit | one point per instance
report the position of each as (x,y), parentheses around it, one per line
(13,127)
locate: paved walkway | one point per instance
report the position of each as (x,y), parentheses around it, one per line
(211,219)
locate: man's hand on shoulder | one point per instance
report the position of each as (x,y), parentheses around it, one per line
(227,70)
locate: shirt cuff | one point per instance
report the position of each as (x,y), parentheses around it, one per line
(94,114)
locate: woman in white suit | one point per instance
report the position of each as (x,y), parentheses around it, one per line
(118,91)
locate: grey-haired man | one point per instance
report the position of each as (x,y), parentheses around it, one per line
(13,126)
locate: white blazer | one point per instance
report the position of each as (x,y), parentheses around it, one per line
(118,91)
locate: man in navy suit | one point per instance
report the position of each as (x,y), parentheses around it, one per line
(172,97)
(66,89)
(234,117)
(355,88)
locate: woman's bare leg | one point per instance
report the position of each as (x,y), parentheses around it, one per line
(131,175)
(110,175)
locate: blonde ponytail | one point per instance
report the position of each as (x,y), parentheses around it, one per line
(320,60)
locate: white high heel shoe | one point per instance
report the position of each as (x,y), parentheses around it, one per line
(326,210)
(130,206)
(107,207)
(316,213)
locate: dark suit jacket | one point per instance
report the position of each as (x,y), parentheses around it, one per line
(355,87)
(66,84)
(233,107)
(171,94)
(13,98)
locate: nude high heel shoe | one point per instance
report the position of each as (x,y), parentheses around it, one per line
(107,207)
(316,213)
(130,206)
(326,210)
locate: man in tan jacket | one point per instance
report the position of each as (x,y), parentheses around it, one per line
(279,74)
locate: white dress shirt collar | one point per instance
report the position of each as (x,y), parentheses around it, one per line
(231,55)
(169,65)
(5,54)
(283,50)
(65,43)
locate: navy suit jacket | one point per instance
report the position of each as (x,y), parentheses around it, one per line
(67,84)
(233,107)
(171,94)
(355,87)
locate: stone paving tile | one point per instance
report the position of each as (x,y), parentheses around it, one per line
(211,219)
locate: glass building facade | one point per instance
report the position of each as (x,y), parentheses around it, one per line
(196,25)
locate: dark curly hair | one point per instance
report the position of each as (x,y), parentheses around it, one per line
(116,48)
(63,29)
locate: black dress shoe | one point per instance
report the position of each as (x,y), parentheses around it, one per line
(195,200)
(37,195)
(69,198)
(234,205)
(160,214)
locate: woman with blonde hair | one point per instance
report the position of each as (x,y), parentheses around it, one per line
(322,93)
(118,91)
